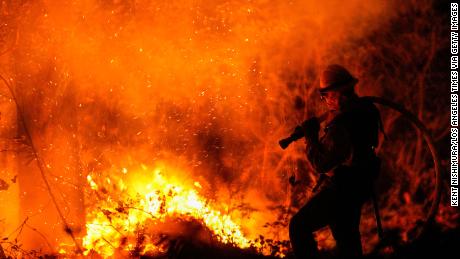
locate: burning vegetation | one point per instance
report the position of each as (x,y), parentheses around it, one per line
(126,208)
(145,128)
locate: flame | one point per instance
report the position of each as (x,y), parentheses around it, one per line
(145,197)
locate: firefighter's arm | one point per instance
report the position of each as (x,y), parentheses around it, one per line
(331,150)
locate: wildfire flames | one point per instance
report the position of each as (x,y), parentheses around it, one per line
(126,125)
(127,205)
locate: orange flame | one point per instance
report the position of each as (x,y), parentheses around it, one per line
(148,197)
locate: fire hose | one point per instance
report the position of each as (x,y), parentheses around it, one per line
(430,142)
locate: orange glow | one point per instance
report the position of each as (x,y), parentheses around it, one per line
(127,204)
(153,117)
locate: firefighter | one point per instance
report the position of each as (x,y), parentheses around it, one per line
(345,154)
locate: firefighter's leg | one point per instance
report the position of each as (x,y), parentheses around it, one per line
(316,214)
(345,230)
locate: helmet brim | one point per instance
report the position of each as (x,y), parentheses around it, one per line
(338,86)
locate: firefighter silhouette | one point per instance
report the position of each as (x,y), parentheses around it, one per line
(344,154)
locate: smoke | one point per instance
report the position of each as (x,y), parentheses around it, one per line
(209,86)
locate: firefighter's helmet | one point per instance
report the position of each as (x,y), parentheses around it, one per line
(336,78)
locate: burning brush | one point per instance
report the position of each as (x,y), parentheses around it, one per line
(134,214)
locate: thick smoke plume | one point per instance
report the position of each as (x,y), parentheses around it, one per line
(105,86)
